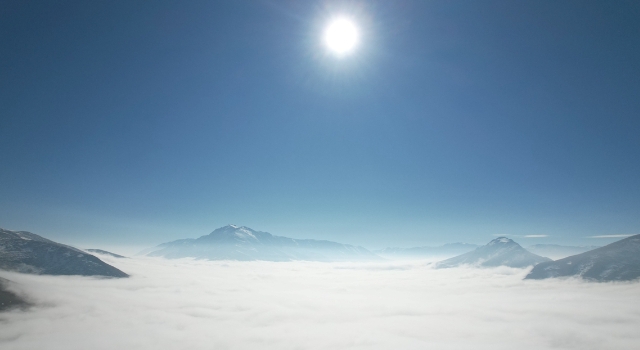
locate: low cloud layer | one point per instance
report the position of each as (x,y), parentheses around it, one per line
(522,236)
(611,236)
(186,304)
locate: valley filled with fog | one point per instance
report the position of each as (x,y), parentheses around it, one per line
(428,175)
(199,304)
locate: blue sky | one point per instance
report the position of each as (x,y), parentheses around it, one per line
(126,122)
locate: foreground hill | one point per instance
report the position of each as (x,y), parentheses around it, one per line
(618,261)
(501,251)
(449,249)
(26,252)
(242,243)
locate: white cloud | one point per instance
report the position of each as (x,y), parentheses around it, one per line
(186,304)
(523,236)
(611,236)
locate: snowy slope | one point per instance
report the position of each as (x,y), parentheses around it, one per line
(618,261)
(29,253)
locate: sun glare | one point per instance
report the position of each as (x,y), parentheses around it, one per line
(341,36)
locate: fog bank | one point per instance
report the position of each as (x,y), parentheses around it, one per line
(187,304)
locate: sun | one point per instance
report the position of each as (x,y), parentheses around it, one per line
(341,36)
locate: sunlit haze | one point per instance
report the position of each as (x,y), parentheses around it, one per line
(341,36)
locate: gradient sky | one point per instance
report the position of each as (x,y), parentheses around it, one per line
(135,123)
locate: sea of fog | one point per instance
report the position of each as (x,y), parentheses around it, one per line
(189,304)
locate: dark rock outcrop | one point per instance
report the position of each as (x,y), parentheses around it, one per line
(8,299)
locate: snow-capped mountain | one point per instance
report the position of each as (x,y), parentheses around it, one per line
(26,252)
(501,251)
(618,261)
(233,242)
(555,251)
(447,250)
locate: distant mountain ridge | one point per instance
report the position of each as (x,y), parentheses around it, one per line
(556,251)
(449,249)
(27,252)
(618,261)
(233,242)
(501,251)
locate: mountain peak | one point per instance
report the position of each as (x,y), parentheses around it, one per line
(501,251)
(233,242)
(233,234)
(501,240)
(231,227)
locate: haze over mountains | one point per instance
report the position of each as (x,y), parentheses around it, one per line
(618,261)
(26,252)
(233,242)
(104,252)
(501,251)
(446,250)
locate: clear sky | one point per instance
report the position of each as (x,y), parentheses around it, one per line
(136,122)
